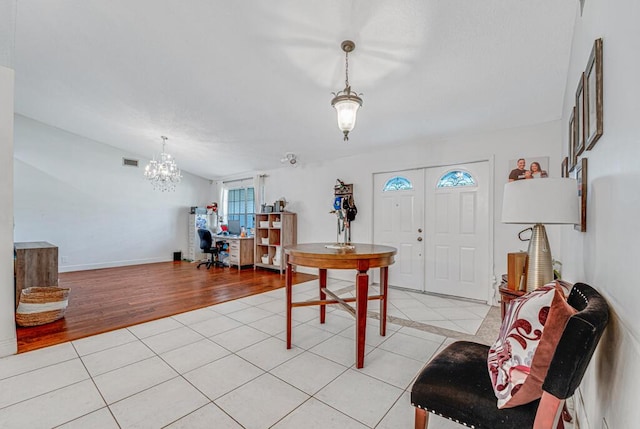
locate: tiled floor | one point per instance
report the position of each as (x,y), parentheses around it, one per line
(227,366)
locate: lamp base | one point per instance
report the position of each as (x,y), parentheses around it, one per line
(539,265)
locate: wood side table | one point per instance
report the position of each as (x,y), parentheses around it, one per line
(361,257)
(506,296)
(36,265)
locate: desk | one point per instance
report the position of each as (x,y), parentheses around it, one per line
(36,265)
(240,249)
(361,258)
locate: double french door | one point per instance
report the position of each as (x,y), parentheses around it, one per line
(438,219)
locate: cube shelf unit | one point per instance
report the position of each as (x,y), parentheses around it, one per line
(273,231)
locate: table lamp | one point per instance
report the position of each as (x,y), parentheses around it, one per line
(538,202)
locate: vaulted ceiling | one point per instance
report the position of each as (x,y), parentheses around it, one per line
(236,84)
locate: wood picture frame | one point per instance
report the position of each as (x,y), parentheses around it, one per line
(573,136)
(581,177)
(593,113)
(564,170)
(579,117)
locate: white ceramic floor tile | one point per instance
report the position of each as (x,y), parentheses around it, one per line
(134,378)
(53,408)
(191,317)
(446,324)
(372,336)
(415,332)
(269,353)
(304,314)
(272,325)
(116,357)
(257,300)
(412,347)
(425,314)
(401,415)
(154,327)
(100,419)
(458,313)
(173,339)
(314,414)
(159,405)
(222,376)
(24,362)
(31,384)
(339,349)
(194,355)
(334,322)
(308,372)
(437,422)
(391,368)
(207,417)
(249,315)
(469,326)
(229,306)
(239,338)
(143,390)
(307,335)
(249,405)
(212,327)
(275,306)
(362,397)
(104,341)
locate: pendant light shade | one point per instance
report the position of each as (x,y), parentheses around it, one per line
(346,102)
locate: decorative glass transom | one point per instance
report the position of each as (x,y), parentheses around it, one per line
(397,183)
(456,178)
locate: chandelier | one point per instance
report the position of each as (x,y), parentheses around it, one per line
(346,102)
(163,174)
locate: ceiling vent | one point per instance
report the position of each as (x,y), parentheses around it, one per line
(127,162)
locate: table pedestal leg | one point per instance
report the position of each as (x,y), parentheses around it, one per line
(384,289)
(323,296)
(288,282)
(362,291)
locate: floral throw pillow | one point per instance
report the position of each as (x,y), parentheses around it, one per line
(519,359)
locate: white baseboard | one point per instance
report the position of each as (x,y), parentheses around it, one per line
(111,264)
(8,347)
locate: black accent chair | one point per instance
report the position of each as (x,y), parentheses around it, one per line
(206,245)
(456,383)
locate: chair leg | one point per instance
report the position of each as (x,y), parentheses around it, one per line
(422,418)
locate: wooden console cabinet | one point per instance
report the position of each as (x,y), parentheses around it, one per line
(36,264)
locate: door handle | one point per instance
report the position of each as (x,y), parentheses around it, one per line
(419,238)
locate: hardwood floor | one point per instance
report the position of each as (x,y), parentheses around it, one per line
(113,298)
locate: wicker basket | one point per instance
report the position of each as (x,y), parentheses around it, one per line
(40,305)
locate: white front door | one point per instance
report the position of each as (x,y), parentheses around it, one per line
(398,221)
(457,233)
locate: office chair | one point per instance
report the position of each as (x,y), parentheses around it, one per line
(456,383)
(206,245)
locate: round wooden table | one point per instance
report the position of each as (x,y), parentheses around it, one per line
(361,257)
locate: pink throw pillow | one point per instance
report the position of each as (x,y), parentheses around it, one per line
(519,359)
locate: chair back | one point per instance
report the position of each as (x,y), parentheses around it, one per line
(578,341)
(206,241)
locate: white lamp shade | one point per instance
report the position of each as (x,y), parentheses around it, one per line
(347,110)
(546,201)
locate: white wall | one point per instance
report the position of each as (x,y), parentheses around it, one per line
(607,255)
(309,188)
(75,193)
(8,344)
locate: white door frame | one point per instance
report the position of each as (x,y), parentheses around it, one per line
(492,290)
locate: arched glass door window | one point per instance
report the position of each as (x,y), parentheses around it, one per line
(397,183)
(456,178)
